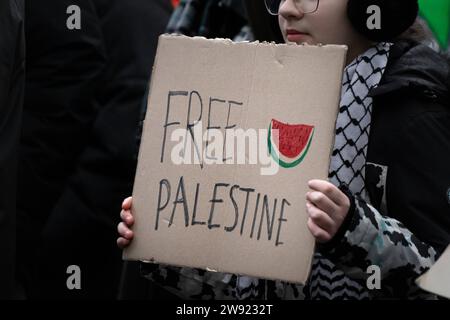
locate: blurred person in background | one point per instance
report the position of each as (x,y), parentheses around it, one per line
(12,79)
(84,92)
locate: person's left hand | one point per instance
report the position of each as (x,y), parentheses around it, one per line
(327,207)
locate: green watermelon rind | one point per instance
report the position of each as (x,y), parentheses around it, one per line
(281,162)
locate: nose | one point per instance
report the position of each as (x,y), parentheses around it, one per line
(288,10)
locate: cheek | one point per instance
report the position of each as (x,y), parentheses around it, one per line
(330,24)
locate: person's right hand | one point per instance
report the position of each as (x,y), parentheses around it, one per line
(125,233)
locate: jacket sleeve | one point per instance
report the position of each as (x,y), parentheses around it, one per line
(405,240)
(376,240)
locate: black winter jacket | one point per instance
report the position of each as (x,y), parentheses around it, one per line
(406,225)
(410,140)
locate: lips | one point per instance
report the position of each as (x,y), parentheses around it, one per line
(293,35)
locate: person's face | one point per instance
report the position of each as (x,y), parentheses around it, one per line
(328,25)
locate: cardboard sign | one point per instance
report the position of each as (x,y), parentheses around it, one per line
(233,133)
(437,279)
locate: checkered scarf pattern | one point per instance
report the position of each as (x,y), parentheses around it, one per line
(353,122)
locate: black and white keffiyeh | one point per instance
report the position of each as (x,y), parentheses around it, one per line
(353,122)
(349,159)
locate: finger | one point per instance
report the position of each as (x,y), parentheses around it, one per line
(322,202)
(319,234)
(126,204)
(320,218)
(124,231)
(122,243)
(329,189)
(127,217)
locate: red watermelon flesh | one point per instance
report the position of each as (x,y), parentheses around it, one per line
(292,138)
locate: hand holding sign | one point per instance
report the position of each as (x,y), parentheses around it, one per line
(125,233)
(327,207)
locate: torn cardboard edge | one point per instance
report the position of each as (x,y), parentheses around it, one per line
(256,42)
(437,279)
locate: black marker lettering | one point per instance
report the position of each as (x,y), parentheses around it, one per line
(160,208)
(236,211)
(280,221)
(247,190)
(211,100)
(194,214)
(190,125)
(254,216)
(229,127)
(183,201)
(166,124)
(265,208)
(213,201)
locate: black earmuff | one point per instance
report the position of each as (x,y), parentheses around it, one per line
(382,20)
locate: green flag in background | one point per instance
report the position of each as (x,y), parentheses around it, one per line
(437,14)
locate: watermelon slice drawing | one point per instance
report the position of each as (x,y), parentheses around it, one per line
(289,143)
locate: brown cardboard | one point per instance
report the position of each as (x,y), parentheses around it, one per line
(437,279)
(290,83)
